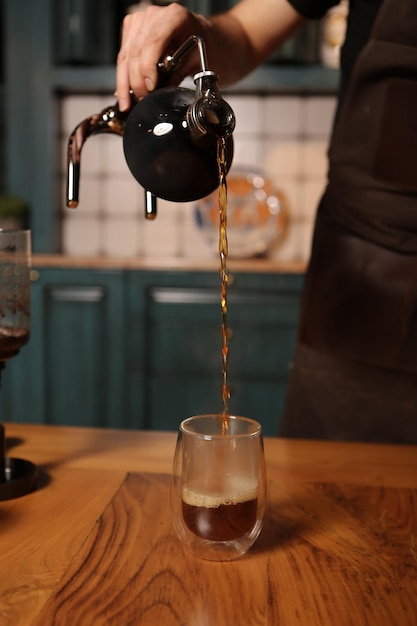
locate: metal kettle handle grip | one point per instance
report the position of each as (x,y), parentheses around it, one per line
(172,61)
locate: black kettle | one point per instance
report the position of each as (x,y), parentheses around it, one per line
(170,137)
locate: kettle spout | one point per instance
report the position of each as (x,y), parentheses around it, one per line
(110,120)
(210,114)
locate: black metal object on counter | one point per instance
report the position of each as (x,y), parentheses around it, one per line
(17,476)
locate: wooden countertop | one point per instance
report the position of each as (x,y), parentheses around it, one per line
(94,545)
(165,264)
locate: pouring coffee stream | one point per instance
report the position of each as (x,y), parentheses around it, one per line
(169,137)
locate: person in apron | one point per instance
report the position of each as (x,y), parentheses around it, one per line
(354,375)
(355,367)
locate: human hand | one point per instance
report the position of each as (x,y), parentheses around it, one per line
(147,36)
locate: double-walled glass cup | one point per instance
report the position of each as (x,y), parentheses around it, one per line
(218,489)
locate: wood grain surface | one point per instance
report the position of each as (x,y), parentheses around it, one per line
(157,263)
(39,535)
(328,554)
(94,544)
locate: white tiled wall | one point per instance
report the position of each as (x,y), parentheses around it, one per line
(287,137)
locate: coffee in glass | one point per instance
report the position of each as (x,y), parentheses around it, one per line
(218,491)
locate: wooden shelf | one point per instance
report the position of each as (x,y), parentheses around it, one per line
(296,79)
(166,264)
(85,79)
(268,79)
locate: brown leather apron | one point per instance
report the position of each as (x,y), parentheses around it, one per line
(360,299)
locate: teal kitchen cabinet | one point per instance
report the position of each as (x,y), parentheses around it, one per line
(174,348)
(72,370)
(142,349)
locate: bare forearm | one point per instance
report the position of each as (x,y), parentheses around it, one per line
(237,41)
(247,35)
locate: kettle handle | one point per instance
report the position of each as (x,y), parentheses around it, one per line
(172,61)
(109,120)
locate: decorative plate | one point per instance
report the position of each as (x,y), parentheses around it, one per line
(257,214)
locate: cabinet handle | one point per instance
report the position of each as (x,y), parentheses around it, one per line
(179,295)
(77,294)
(34,276)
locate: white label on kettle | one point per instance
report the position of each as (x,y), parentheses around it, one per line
(163,128)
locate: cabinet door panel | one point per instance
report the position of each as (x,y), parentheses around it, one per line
(261,351)
(185,336)
(73,369)
(83,343)
(173,398)
(75,355)
(258,306)
(262,400)
(183,346)
(253,350)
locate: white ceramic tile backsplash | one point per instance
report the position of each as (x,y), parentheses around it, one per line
(248,152)
(122,196)
(317,119)
(162,235)
(113,156)
(76,108)
(121,237)
(285,136)
(282,158)
(314,158)
(81,235)
(248,113)
(281,116)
